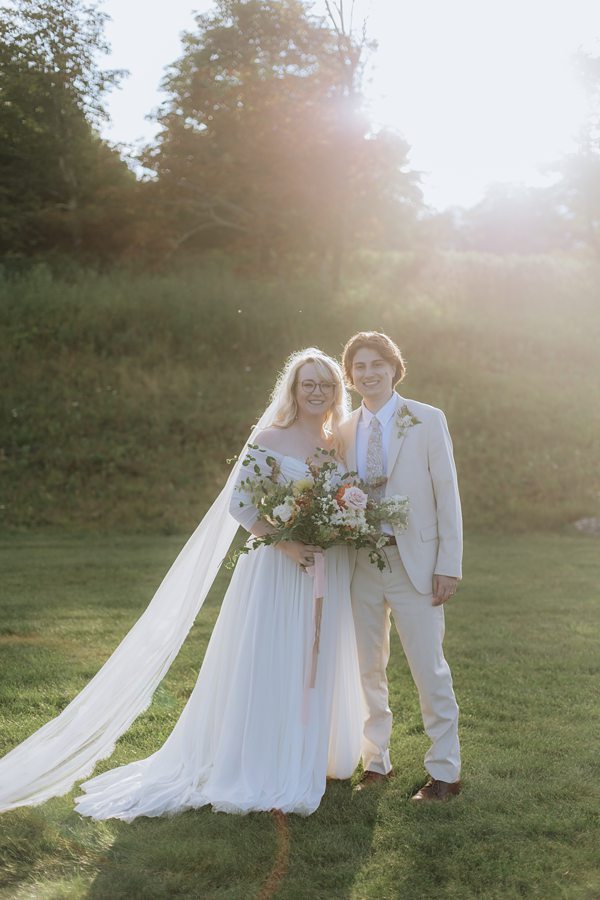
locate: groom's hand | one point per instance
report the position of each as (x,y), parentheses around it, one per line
(444,586)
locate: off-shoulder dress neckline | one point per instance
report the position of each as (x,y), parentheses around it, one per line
(282,455)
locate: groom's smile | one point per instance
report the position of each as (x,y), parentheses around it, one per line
(373,377)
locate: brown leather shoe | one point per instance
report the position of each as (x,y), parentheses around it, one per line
(437,790)
(368,779)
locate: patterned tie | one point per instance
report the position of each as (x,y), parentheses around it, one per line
(375,471)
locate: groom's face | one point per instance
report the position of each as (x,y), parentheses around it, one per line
(372,375)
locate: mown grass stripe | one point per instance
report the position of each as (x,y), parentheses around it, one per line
(280,864)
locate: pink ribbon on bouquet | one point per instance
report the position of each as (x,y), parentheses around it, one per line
(317,570)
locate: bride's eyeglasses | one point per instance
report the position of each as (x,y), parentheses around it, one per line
(309,387)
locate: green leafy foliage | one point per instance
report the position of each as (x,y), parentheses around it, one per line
(125,394)
(62,189)
(265,144)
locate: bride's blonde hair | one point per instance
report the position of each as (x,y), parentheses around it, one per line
(283,398)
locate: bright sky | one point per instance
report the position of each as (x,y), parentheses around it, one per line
(482,89)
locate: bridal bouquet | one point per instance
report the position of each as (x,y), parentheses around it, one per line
(325,508)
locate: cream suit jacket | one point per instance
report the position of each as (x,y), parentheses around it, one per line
(421,465)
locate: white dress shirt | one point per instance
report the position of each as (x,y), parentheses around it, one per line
(386,420)
(386,417)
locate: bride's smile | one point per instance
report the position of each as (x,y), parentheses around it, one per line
(314,393)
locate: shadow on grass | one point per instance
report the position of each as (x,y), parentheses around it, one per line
(203,854)
(195,854)
(331,847)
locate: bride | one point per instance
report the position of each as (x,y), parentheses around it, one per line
(257,733)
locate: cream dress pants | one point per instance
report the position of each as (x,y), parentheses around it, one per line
(420,626)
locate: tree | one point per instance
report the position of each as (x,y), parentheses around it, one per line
(579,197)
(53,166)
(264,143)
(514,219)
(578,192)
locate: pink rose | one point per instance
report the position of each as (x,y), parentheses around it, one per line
(354,498)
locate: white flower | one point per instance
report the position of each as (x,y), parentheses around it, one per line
(355,518)
(397,501)
(394,510)
(405,420)
(329,481)
(284,511)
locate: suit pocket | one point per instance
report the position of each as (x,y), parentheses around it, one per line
(430,533)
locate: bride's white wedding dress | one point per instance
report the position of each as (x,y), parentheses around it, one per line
(254,735)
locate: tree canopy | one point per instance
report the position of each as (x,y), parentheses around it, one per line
(58,179)
(265,149)
(264,143)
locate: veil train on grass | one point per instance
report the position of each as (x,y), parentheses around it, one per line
(66,749)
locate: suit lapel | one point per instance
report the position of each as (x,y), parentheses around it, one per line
(396,440)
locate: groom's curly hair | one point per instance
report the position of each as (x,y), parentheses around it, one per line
(375,341)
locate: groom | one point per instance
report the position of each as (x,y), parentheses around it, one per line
(400,446)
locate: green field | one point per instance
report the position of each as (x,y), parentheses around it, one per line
(124,394)
(522,642)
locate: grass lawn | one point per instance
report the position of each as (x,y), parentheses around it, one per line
(522,642)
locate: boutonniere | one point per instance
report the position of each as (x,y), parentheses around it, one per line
(405,420)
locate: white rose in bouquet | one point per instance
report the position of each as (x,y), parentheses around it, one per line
(284,511)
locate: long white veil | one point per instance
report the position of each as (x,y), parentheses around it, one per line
(67,748)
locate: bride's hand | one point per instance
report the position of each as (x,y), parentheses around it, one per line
(301,554)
